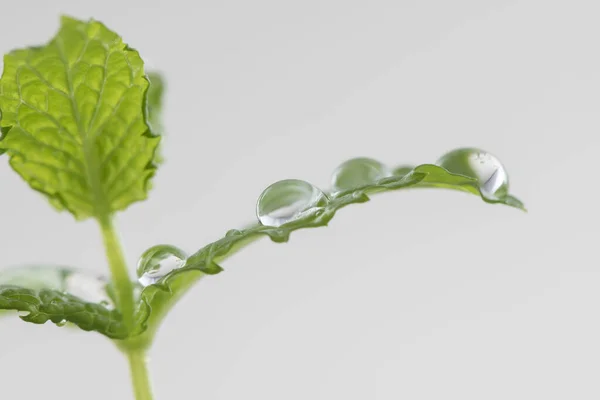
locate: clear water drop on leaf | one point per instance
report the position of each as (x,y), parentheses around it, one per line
(481,165)
(358,172)
(61,323)
(158,261)
(289,200)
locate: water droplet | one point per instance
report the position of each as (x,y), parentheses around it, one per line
(288,200)
(23,313)
(233,232)
(157,262)
(481,165)
(279,235)
(90,288)
(358,172)
(61,323)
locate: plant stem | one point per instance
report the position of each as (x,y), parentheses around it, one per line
(133,349)
(139,374)
(118,270)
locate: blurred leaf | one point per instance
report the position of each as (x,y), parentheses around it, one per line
(155,101)
(156,92)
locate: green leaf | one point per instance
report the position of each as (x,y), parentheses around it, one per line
(61,295)
(74,120)
(158,298)
(156,92)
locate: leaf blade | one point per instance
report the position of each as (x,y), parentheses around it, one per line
(163,294)
(71,112)
(61,294)
(50,305)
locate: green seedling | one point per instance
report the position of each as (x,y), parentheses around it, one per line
(80,123)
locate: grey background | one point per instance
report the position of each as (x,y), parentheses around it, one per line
(415,295)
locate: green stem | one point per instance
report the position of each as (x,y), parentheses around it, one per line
(139,374)
(135,352)
(118,270)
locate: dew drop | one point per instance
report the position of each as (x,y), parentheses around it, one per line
(481,165)
(61,323)
(289,200)
(158,261)
(233,232)
(358,172)
(23,313)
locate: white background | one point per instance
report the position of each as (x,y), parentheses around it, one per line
(416,295)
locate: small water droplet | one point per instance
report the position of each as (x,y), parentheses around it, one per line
(158,261)
(289,200)
(481,165)
(358,172)
(23,313)
(61,323)
(233,232)
(89,288)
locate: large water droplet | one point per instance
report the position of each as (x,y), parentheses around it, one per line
(289,200)
(158,261)
(481,165)
(358,172)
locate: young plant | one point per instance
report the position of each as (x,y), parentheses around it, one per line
(80,120)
